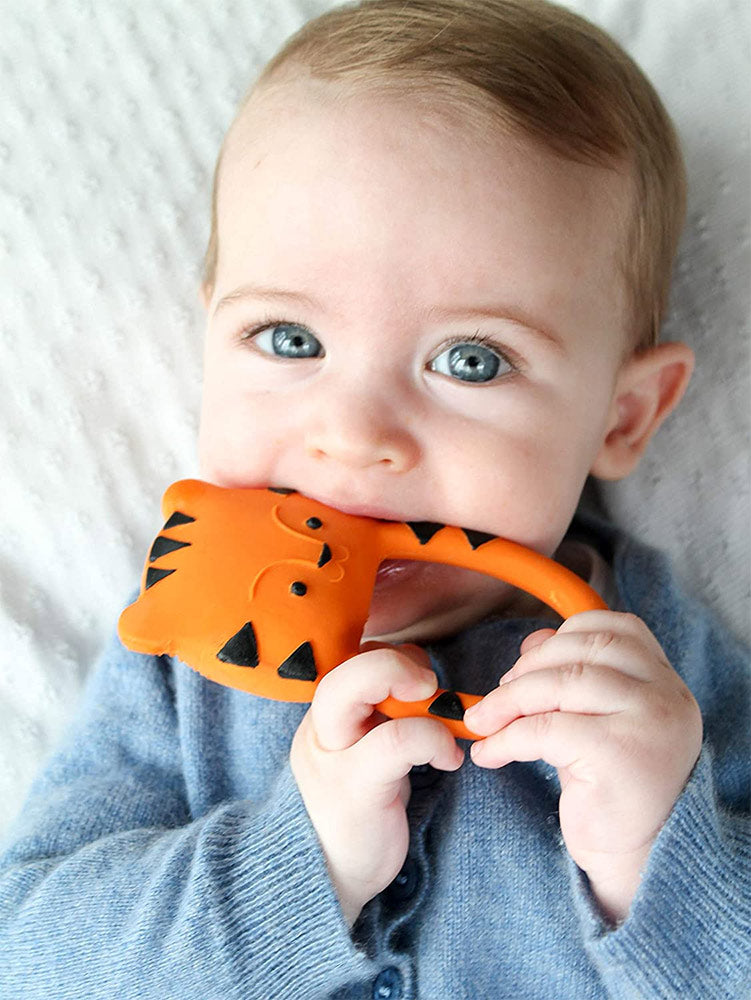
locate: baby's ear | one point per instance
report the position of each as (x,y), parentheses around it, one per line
(649,386)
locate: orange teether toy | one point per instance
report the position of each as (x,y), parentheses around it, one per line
(266,590)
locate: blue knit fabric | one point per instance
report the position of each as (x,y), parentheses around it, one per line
(164,851)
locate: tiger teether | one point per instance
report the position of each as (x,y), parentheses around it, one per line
(266,590)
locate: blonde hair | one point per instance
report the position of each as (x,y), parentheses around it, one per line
(532,65)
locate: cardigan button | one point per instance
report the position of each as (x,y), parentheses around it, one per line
(388,985)
(404,885)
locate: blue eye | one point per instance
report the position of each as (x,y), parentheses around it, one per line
(287,340)
(470,361)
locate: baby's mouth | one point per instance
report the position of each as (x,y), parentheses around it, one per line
(393,571)
(415,600)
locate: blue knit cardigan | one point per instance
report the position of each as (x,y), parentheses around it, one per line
(164,851)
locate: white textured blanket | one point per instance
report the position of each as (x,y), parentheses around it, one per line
(111,115)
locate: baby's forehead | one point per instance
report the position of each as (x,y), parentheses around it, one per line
(281,117)
(462,114)
(323,188)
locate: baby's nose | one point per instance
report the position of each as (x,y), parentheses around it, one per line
(361,434)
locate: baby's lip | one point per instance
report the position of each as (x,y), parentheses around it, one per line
(360,510)
(375,511)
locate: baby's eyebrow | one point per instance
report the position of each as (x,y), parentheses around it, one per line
(513,313)
(268,293)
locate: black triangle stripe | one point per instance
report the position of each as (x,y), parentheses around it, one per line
(448,706)
(178,518)
(299,665)
(478,538)
(325,555)
(155,575)
(424,530)
(242,649)
(164,545)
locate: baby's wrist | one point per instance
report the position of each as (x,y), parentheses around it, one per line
(614,884)
(351,905)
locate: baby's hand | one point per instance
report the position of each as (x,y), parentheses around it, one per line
(351,766)
(599,701)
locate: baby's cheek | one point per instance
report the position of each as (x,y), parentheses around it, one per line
(535,503)
(226,459)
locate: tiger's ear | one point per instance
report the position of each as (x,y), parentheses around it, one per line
(649,386)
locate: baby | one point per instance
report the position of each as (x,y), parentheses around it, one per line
(441,248)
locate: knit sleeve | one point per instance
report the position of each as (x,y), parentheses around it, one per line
(108,888)
(689,930)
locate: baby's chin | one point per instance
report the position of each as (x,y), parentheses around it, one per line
(420,602)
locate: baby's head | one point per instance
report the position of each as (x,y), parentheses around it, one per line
(441,247)
(510,63)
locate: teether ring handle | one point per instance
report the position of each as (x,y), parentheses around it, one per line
(395,709)
(545,579)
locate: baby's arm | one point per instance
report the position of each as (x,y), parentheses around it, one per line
(598,700)
(109,887)
(351,766)
(601,702)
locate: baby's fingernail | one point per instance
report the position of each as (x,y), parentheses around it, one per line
(423,684)
(428,676)
(472,716)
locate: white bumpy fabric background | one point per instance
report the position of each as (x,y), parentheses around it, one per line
(111,116)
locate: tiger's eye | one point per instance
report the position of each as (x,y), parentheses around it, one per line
(298,588)
(314,522)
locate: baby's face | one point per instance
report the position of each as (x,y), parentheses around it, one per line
(411,327)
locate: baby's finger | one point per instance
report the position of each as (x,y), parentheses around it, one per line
(389,751)
(619,623)
(342,709)
(536,639)
(604,647)
(573,687)
(559,738)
